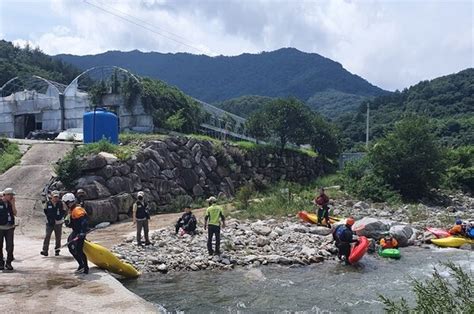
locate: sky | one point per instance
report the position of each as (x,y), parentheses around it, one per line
(392,44)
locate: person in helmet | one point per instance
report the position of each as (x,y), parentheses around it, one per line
(81,197)
(388,242)
(344,237)
(141,216)
(78,223)
(458,228)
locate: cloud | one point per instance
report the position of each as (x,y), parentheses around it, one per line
(392,44)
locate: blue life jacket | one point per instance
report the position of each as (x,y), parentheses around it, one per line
(470,233)
(340,231)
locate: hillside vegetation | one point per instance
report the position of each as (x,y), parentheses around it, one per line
(15,61)
(281,73)
(447,101)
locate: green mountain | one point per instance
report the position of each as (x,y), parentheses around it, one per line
(15,61)
(447,100)
(280,73)
(244,106)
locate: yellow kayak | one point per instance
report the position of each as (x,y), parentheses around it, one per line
(105,259)
(452,241)
(313,218)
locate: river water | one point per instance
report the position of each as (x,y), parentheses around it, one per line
(322,288)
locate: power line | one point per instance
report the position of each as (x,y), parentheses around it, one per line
(142,26)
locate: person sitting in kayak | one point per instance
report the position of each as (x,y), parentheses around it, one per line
(344,237)
(187,222)
(458,228)
(322,202)
(388,242)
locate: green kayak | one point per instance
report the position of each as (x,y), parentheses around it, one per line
(390,253)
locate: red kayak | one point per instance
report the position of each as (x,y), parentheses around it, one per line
(439,233)
(359,250)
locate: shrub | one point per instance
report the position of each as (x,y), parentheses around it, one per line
(454,294)
(460,172)
(10,154)
(69,168)
(244,195)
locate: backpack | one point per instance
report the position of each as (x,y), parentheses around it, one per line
(340,231)
(470,233)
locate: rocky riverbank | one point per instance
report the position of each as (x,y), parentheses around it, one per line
(288,241)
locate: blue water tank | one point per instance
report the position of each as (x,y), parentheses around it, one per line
(100,124)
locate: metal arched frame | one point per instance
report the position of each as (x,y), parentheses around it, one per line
(74,82)
(53,84)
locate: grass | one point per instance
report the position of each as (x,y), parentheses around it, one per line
(123,152)
(10,155)
(128,138)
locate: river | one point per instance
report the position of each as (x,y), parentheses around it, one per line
(321,288)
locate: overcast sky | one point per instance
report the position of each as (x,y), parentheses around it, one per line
(392,44)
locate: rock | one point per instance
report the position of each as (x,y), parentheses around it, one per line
(124,169)
(122,217)
(322,231)
(212,162)
(261,241)
(124,202)
(361,205)
(194,267)
(308,251)
(402,233)
(300,229)
(94,162)
(371,227)
(102,210)
(120,184)
(186,178)
(95,190)
(225,261)
(261,229)
(162,268)
(279,231)
(109,158)
(284,260)
(197,190)
(186,163)
(106,172)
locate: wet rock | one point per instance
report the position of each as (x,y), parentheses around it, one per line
(371,227)
(402,233)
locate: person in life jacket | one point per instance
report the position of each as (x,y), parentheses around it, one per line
(78,223)
(344,237)
(322,202)
(7,226)
(388,242)
(55,212)
(187,222)
(214,217)
(141,216)
(81,197)
(458,228)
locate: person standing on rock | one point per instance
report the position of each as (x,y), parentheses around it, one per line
(7,226)
(322,202)
(187,222)
(344,237)
(78,223)
(55,212)
(141,216)
(214,217)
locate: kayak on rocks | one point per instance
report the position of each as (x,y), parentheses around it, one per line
(105,259)
(313,218)
(439,233)
(452,242)
(390,253)
(359,250)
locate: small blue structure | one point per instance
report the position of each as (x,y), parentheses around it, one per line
(100,124)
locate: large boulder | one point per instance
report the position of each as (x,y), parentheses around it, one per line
(109,158)
(102,210)
(371,227)
(402,233)
(123,202)
(95,190)
(118,185)
(261,229)
(94,162)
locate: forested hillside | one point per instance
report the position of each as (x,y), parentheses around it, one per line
(15,61)
(281,73)
(448,101)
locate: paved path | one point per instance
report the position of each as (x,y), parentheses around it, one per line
(48,284)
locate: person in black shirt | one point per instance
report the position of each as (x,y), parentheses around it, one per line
(55,212)
(187,222)
(7,226)
(141,217)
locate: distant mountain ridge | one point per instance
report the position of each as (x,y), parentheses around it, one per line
(280,73)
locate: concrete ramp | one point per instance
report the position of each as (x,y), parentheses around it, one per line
(28,180)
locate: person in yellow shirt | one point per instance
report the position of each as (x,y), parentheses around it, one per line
(214,217)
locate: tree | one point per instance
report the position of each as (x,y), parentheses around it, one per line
(324,138)
(409,159)
(289,120)
(257,126)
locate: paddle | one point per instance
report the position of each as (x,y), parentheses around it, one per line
(99,226)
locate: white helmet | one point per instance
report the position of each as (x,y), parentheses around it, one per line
(69,198)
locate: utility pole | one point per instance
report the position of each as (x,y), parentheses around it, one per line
(367,130)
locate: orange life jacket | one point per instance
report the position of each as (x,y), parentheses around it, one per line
(388,243)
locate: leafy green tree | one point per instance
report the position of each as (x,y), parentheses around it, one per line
(324,138)
(440,294)
(460,172)
(257,126)
(409,159)
(289,120)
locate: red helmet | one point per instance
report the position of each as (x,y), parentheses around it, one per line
(350,221)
